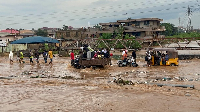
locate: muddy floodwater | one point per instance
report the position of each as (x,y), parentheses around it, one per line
(61,88)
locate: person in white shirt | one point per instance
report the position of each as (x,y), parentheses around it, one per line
(11,56)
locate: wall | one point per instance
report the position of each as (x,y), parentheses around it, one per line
(69,34)
(11,38)
(13,47)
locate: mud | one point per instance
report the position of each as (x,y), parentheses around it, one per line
(60,87)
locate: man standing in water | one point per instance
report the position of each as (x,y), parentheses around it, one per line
(50,56)
(11,57)
(37,55)
(31,57)
(134,55)
(72,57)
(45,56)
(21,57)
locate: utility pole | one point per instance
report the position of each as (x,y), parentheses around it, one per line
(189,13)
(179,20)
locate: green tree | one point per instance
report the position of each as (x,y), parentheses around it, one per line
(65,27)
(185,35)
(170,29)
(120,31)
(131,43)
(40,32)
(97,26)
(105,36)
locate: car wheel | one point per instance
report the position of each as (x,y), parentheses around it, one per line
(172,64)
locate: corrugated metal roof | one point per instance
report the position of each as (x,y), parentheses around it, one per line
(10,31)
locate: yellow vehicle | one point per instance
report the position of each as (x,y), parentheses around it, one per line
(164,56)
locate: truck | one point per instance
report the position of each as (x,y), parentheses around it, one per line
(80,62)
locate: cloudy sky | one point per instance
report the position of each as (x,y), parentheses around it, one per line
(28,14)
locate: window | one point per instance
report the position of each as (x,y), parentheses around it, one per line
(67,34)
(76,35)
(146,22)
(137,23)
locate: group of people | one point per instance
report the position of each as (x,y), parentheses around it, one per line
(45,54)
(103,53)
(33,54)
(157,57)
(88,53)
(21,57)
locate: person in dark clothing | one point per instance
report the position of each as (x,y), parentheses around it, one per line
(31,56)
(163,59)
(45,55)
(134,55)
(37,55)
(158,58)
(108,53)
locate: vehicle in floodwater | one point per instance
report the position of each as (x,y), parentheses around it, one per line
(164,56)
(81,62)
(128,62)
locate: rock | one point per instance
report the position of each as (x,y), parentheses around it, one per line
(187,94)
(167,78)
(12,76)
(67,77)
(37,76)
(191,80)
(2,77)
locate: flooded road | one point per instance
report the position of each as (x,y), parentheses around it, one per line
(60,87)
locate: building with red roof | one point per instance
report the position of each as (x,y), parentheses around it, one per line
(11,31)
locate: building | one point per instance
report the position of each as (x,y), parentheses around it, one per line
(26,33)
(51,31)
(143,28)
(73,34)
(11,31)
(146,28)
(9,35)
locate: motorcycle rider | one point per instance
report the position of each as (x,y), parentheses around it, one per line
(124,56)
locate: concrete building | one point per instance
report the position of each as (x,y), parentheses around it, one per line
(9,35)
(51,31)
(140,28)
(109,27)
(143,28)
(73,34)
(26,33)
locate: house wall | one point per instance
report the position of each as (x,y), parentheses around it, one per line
(14,47)
(142,34)
(7,39)
(141,24)
(70,34)
(26,31)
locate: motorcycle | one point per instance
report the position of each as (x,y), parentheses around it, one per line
(76,63)
(127,62)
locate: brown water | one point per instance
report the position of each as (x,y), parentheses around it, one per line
(94,90)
